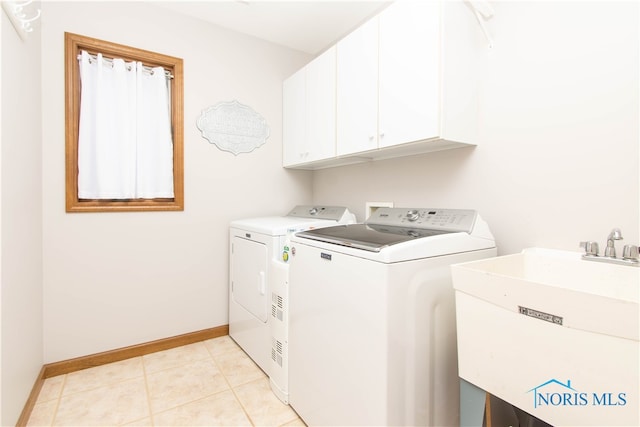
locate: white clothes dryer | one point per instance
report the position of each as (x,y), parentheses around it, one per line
(372,334)
(258,284)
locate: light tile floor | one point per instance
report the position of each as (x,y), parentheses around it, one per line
(209,383)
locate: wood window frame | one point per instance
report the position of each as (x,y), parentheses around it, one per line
(74,44)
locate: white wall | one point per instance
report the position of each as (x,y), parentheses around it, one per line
(117,279)
(556,162)
(20,220)
(557,159)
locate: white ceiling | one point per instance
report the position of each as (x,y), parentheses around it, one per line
(308,26)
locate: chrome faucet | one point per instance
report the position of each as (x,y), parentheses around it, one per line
(610,250)
(629,253)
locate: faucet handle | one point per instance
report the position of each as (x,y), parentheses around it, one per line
(590,248)
(630,252)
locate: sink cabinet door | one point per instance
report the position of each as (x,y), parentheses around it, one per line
(409,82)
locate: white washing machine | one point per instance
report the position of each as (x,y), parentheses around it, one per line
(258,284)
(372,334)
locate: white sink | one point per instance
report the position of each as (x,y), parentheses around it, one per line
(553,334)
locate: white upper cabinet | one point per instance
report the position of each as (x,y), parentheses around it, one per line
(357,85)
(389,79)
(321,106)
(309,112)
(404,85)
(409,67)
(294,98)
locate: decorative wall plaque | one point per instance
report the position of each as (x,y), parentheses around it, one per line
(233,127)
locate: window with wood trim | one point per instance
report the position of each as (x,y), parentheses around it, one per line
(74,46)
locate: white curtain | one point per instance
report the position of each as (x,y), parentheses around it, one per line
(125,149)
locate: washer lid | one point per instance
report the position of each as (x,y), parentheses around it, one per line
(370,237)
(390,226)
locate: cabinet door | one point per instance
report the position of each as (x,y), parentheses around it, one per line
(357,90)
(321,106)
(293,119)
(409,72)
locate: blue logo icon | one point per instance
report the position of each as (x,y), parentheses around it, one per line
(557,393)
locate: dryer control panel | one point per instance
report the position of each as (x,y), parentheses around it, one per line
(335,213)
(423,218)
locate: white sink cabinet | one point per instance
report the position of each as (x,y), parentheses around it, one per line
(553,335)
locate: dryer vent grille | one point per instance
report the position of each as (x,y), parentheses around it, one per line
(276,300)
(276,352)
(277,306)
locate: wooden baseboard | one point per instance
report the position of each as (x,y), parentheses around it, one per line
(72,365)
(84,362)
(31,400)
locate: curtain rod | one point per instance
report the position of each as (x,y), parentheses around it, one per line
(147,68)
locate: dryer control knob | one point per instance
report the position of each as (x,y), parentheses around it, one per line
(313,211)
(413,215)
